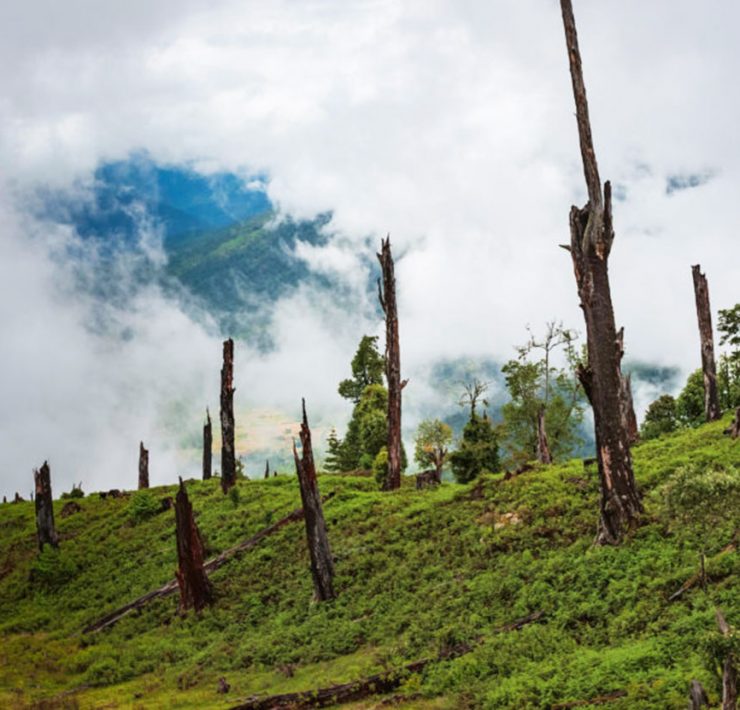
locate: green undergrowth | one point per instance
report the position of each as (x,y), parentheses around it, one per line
(418,572)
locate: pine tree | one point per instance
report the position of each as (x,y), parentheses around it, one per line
(332,462)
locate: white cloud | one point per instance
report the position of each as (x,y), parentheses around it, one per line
(448,124)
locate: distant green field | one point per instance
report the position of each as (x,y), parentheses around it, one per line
(417,572)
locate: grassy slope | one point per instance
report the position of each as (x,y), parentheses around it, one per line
(416,571)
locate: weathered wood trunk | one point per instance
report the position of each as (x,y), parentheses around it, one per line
(322,563)
(143,466)
(591,237)
(387,296)
(46,533)
(543,448)
(729,669)
(267,468)
(734,429)
(697,696)
(195,587)
(709,369)
(629,420)
(228,455)
(207,447)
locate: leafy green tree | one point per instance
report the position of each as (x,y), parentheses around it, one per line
(332,462)
(660,418)
(535,384)
(433,438)
(477,449)
(729,362)
(367,369)
(690,403)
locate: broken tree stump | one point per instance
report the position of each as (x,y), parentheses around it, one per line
(45,531)
(207,447)
(426,479)
(697,696)
(195,588)
(143,466)
(267,468)
(629,419)
(591,238)
(228,454)
(387,297)
(322,563)
(708,367)
(733,431)
(729,668)
(543,448)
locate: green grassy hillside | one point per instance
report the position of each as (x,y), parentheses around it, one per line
(417,572)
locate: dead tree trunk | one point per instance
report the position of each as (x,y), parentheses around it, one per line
(143,466)
(697,696)
(228,456)
(591,237)
(322,563)
(387,296)
(543,448)
(195,587)
(207,448)
(704,315)
(729,669)
(45,531)
(733,431)
(267,468)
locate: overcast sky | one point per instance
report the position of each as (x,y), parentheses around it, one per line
(448,124)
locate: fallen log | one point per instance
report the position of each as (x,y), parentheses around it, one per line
(691,581)
(377,684)
(213,564)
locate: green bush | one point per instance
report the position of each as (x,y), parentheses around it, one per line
(52,569)
(143,505)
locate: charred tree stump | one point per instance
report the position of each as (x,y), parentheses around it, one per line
(195,588)
(207,448)
(387,297)
(543,448)
(18,498)
(591,237)
(45,531)
(267,469)
(322,563)
(733,431)
(709,369)
(143,466)
(228,455)
(729,669)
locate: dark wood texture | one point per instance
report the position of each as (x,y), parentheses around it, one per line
(143,466)
(46,533)
(207,447)
(228,454)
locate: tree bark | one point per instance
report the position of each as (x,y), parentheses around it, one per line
(591,237)
(45,530)
(543,448)
(697,696)
(629,420)
(733,431)
(195,588)
(207,448)
(322,563)
(709,369)
(143,466)
(228,456)
(729,669)
(387,297)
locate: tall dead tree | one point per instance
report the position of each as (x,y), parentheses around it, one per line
(207,447)
(322,563)
(143,466)
(543,448)
(228,456)
(387,297)
(195,587)
(591,237)
(45,531)
(729,668)
(708,367)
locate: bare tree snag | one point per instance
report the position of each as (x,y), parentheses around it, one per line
(45,531)
(629,419)
(729,669)
(195,588)
(228,455)
(543,448)
(18,498)
(322,563)
(591,237)
(709,369)
(207,447)
(387,297)
(697,696)
(267,468)
(143,466)
(733,431)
